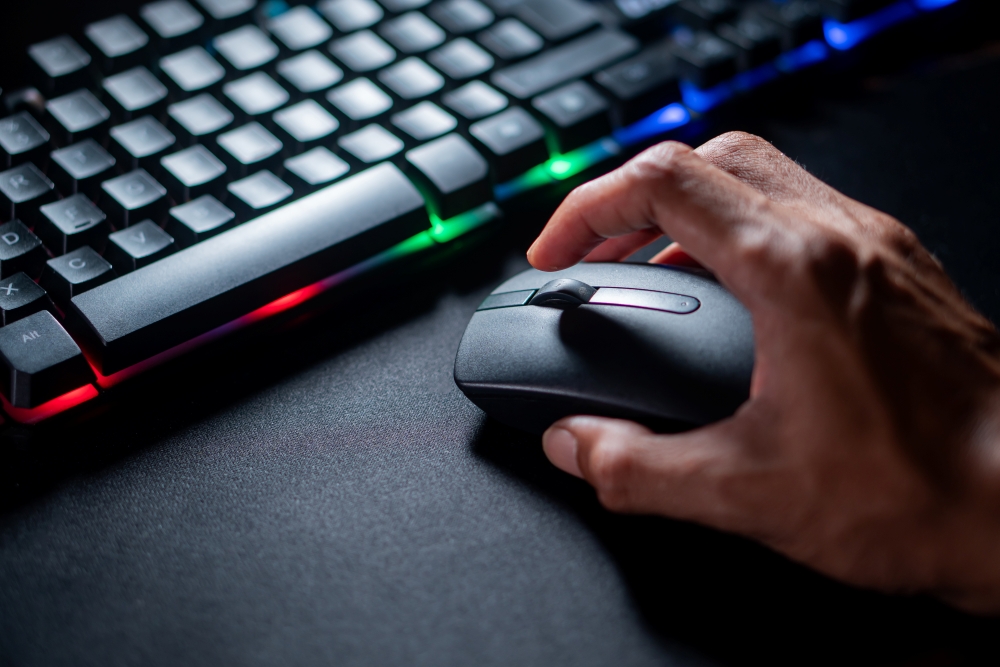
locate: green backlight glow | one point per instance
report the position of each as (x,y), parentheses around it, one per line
(558,168)
(443,231)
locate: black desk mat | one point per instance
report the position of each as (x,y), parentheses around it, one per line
(335,499)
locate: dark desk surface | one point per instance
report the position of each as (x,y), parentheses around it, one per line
(334,499)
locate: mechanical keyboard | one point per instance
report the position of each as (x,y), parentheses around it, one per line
(188,170)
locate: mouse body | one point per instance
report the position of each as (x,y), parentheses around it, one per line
(665,346)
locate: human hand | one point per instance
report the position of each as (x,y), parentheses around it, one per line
(870,446)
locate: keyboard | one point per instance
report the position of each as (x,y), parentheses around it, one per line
(193,168)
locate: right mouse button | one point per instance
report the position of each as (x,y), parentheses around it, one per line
(668,302)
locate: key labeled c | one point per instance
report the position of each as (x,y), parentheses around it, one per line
(77,263)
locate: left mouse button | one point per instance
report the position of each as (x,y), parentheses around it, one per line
(563,293)
(506,300)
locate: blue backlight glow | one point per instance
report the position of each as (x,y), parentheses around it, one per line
(931,5)
(705,100)
(844,36)
(806,55)
(668,118)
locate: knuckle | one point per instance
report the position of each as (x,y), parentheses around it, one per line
(666,160)
(735,146)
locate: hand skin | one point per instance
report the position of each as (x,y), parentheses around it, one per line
(870,446)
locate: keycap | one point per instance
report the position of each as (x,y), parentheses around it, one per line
(226,14)
(204,286)
(245,48)
(310,72)
(22,190)
(74,273)
(304,123)
(20,297)
(20,250)
(117,43)
(556,20)
(351,15)
(846,11)
(757,40)
(70,223)
(514,142)
(193,172)
(453,172)
(411,78)
(81,167)
(58,65)
(75,116)
(461,16)
(371,143)
(400,6)
(704,59)
(799,21)
(255,195)
(360,99)
(248,148)
(255,95)
(132,197)
(424,121)
(134,92)
(363,51)
(191,71)
(198,118)
(575,113)
(704,14)
(461,59)
(314,168)
(138,246)
(641,84)
(41,361)
(173,24)
(299,28)
(198,220)
(141,143)
(412,33)
(510,39)
(475,100)
(572,60)
(22,139)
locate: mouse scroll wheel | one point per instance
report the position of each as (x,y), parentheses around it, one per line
(563,293)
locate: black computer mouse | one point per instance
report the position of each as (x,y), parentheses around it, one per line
(665,346)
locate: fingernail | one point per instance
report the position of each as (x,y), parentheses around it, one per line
(560,446)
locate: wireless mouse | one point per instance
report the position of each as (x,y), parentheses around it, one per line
(665,346)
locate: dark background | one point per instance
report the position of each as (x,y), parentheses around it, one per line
(327,496)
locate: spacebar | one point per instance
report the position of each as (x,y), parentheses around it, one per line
(213,282)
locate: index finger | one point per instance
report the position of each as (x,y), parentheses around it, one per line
(668,187)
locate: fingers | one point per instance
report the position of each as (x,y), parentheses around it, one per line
(667,188)
(685,476)
(619,248)
(675,255)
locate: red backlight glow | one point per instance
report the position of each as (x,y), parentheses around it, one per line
(51,408)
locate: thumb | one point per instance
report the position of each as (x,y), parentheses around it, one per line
(694,476)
